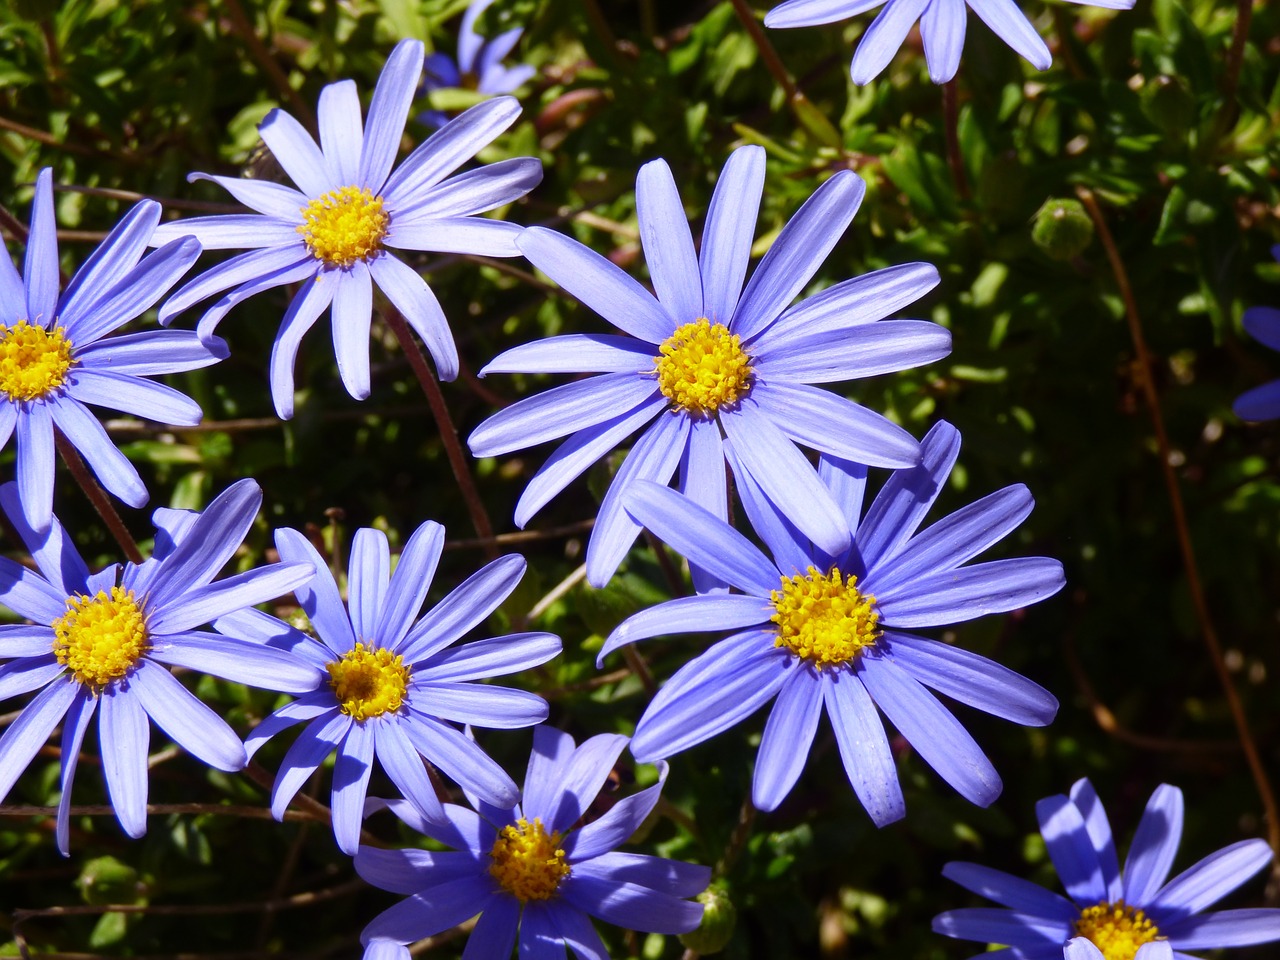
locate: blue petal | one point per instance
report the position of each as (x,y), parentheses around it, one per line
(149,353)
(579,781)
(31,730)
(433,910)
(494,657)
(575,353)
(864,748)
(539,937)
(670,876)
(599,283)
(304,310)
(270,199)
(386,950)
(1012,26)
(798,252)
(1072,850)
(726,238)
(316,742)
(36,465)
(788,735)
(1227,928)
(833,425)
(296,153)
(21,640)
(351,773)
(319,599)
(351,318)
(989,925)
(847,481)
(1095,817)
(408,871)
(409,584)
(110,261)
(484,705)
(1078,948)
(314,704)
(341,133)
(463,196)
(465,607)
(863,351)
(245,267)
(368,576)
(471,235)
(1013,892)
(942,27)
(714,612)
(1260,403)
(667,243)
(204,604)
(630,905)
(53,552)
(813,13)
(388,112)
(577,930)
(613,830)
(792,551)
(711,693)
(552,750)
(109,465)
(1210,880)
(234,230)
(41,266)
(495,932)
(131,394)
(1262,323)
(239,661)
(884,37)
(461,760)
(74,728)
(1154,846)
(410,294)
(124,737)
(13,295)
(973,591)
(703,480)
(30,673)
(934,733)
(185,718)
(404,766)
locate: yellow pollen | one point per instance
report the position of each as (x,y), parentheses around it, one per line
(528,861)
(703,367)
(368,682)
(33,361)
(100,638)
(344,225)
(824,619)
(1116,929)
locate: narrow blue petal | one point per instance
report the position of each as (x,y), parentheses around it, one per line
(562,410)
(135,293)
(8,418)
(435,909)
(314,704)
(942,28)
(404,766)
(239,661)
(495,657)
(30,595)
(714,612)
(41,266)
(124,736)
(465,607)
(185,718)
(304,310)
(149,353)
(462,760)
(242,268)
(351,318)
(448,148)
(883,38)
(205,604)
(19,640)
(29,673)
(495,932)
(1210,880)
(931,730)
(350,783)
(613,830)
(863,351)
(667,243)
(388,112)
(989,925)
(575,353)
(1154,846)
(1095,818)
(257,627)
(368,576)
(813,13)
(711,693)
(539,937)
(1227,928)
(74,728)
(1009,23)
(705,539)
(575,927)
(470,43)
(1072,850)
(484,705)
(319,599)
(726,238)
(551,753)
(973,591)
(410,294)
(111,260)
(341,133)
(630,905)
(271,199)
(470,193)
(13,295)
(847,481)
(54,553)
(386,950)
(703,480)
(232,231)
(973,680)
(788,735)
(36,465)
(32,729)
(1078,948)
(675,877)
(1262,323)
(410,870)
(409,584)
(653,458)
(833,425)
(1013,892)
(792,551)
(798,252)
(296,153)
(131,394)
(864,748)
(580,780)
(471,235)
(109,465)
(1260,403)
(317,741)
(599,283)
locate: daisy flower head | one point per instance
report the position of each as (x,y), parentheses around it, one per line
(478,65)
(1137,913)
(942,28)
(55,355)
(336,232)
(534,870)
(815,628)
(1263,324)
(104,642)
(705,360)
(390,685)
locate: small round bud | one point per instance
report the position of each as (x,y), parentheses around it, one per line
(718,920)
(1062,229)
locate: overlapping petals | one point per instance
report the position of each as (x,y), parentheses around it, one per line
(829,337)
(917,578)
(425,209)
(176,591)
(631,890)
(416,720)
(1077,833)
(478,65)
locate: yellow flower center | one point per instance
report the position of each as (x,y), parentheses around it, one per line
(1116,929)
(703,367)
(368,682)
(33,361)
(824,619)
(344,225)
(528,861)
(100,638)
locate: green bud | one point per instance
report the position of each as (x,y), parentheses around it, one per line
(718,920)
(1168,105)
(1062,229)
(107,880)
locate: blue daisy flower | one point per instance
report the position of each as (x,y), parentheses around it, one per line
(707,360)
(942,27)
(1137,913)
(335,233)
(478,65)
(814,628)
(55,355)
(1263,324)
(103,642)
(532,870)
(390,687)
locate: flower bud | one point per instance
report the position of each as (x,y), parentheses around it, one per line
(718,920)
(1062,229)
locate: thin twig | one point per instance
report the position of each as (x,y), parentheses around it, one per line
(555,593)
(767,53)
(448,432)
(951,124)
(98,497)
(1235,59)
(737,840)
(159,809)
(1194,586)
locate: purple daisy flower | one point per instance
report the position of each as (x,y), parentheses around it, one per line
(817,628)
(942,27)
(390,687)
(104,642)
(707,360)
(335,233)
(534,869)
(55,355)
(478,66)
(1263,324)
(1132,914)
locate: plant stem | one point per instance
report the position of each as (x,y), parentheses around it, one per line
(1196,588)
(767,53)
(98,497)
(448,432)
(951,124)
(1235,59)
